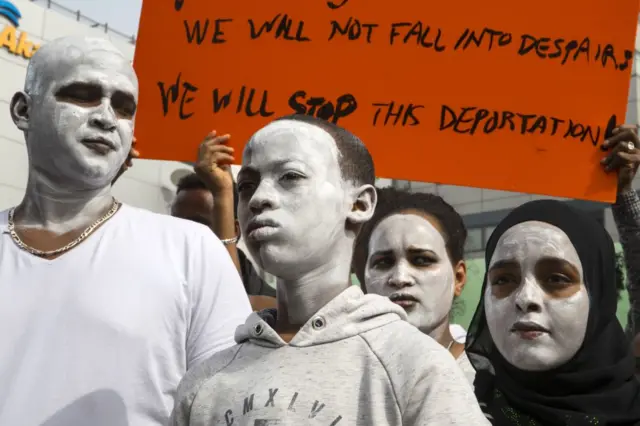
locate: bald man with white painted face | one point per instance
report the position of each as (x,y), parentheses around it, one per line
(328,352)
(103,306)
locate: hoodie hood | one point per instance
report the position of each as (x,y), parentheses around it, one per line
(347,315)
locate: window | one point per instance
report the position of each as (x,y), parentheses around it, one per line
(475,241)
(487,234)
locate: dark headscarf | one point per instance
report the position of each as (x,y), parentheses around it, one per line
(597,386)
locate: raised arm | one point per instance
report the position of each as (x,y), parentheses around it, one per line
(624,157)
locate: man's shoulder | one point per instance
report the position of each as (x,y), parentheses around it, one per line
(149,221)
(415,362)
(207,369)
(4,219)
(401,342)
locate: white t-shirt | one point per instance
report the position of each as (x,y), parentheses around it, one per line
(103,334)
(458,333)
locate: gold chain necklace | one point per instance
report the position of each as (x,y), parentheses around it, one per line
(41,253)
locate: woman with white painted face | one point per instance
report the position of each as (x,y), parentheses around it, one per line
(412,252)
(545,340)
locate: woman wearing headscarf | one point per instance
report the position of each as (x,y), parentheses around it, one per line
(545,340)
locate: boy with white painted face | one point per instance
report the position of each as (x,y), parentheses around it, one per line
(546,324)
(103,306)
(411,251)
(329,354)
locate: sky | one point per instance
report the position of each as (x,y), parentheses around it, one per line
(121,15)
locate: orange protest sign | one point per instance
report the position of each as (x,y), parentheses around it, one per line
(488,94)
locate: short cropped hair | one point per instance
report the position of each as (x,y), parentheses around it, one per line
(61,52)
(192,181)
(391,201)
(356,164)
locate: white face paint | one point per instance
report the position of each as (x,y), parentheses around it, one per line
(293,203)
(535,283)
(83,99)
(408,261)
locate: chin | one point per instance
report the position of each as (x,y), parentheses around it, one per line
(283,262)
(536,359)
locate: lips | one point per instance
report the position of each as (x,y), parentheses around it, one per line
(103,144)
(261,228)
(403,299)
(528,327)
(396,297)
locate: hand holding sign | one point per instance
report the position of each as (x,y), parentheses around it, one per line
(624,156)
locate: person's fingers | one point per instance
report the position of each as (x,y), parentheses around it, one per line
(619,158)
(134,153)
(615,163)
(631,159)
(612,158)
(607,160)
(221,158)
(211,135)
(618,145)
(220,148)
(218,140)
(623,135)
(207,150)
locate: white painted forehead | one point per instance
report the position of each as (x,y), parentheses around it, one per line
(531,240)
(298,131)
(406,229)
(60,54)
(396,222)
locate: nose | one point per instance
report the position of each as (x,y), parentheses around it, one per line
(400,276)
(265,197)
(103,117)
(530,296)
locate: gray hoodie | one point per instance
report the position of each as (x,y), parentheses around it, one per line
(354,363)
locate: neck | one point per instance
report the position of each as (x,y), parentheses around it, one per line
(442,334)
(59,208)
(299,299)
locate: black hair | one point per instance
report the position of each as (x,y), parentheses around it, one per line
(390,201)
(192,181)
(356,164)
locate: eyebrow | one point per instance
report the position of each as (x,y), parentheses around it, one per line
(72,84)
(93,84)
(559,261)
(412,250)
(246,170)
(417,250)
(273,165)
(504,264)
